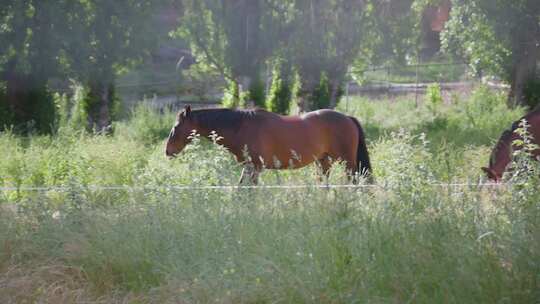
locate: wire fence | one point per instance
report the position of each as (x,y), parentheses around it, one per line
(240,187)
(412,73)
(410,78)
(172,89)
(392,79)
(371,78)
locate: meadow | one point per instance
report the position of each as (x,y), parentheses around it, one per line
(428,232)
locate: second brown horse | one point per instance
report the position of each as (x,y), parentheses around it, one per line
(261,139)
(501,155)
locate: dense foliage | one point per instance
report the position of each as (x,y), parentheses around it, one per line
(43,43)
(319,39)
(281,90)
(501,38)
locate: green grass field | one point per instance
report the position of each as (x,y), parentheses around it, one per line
(410,240)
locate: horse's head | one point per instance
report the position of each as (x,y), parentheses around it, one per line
(491,174)
(180,132)
(500,157)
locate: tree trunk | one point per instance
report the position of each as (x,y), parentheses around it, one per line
(100,99)
(245,84)
(15,92)
(334,93)
(305,94)
(525,69)
(302,102)
(107,97)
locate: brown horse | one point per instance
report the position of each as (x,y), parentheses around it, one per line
(261,139)
(502,152)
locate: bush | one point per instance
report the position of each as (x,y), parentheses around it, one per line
(320,98)
(280,95)
(6,114)
(72,115)
(40,103)
(146,124)
(202,80)
(256,92)
(36,111)
(488,110)
(531,92)
(92,100)
(434,98)
(233,97)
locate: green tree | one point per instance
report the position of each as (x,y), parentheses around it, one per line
(318,38)
(280,93)
(31,44)
(327,36)
(234,37)
(88,40)
(394,32)
(499,37)
(111,36)
(397,30)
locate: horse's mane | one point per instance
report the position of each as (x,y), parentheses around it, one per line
(219,118)
(504,141)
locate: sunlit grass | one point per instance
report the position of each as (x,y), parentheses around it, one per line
(408,240)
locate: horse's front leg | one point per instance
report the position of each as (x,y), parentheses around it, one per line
(250,175)
(324,166)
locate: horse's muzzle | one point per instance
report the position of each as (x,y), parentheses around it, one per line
(170,154)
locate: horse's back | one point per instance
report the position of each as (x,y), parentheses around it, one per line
(326,115)
(311,135)
(317,125)
(331,122)
(533,119)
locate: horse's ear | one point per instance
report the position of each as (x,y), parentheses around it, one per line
(180,115)
(184,113)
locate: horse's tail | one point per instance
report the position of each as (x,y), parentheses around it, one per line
(363,165)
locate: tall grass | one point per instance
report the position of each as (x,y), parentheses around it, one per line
(404,241)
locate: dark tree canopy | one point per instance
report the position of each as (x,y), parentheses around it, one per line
(500,37)
(269,51)
(87,40)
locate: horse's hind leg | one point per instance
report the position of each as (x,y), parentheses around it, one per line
(245,176)
(250,175)
(352,174)
(351,169)
(324,164)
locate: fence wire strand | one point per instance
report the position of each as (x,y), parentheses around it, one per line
(239,187)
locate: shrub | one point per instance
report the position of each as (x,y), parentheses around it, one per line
(320,98)
(531,92)
(434,98)
(6,114)
(92,99)
(279,97)
(488,110)
(233,97)
(36,111)
(146,124)
(72,115)
(256,92)
(202,80)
